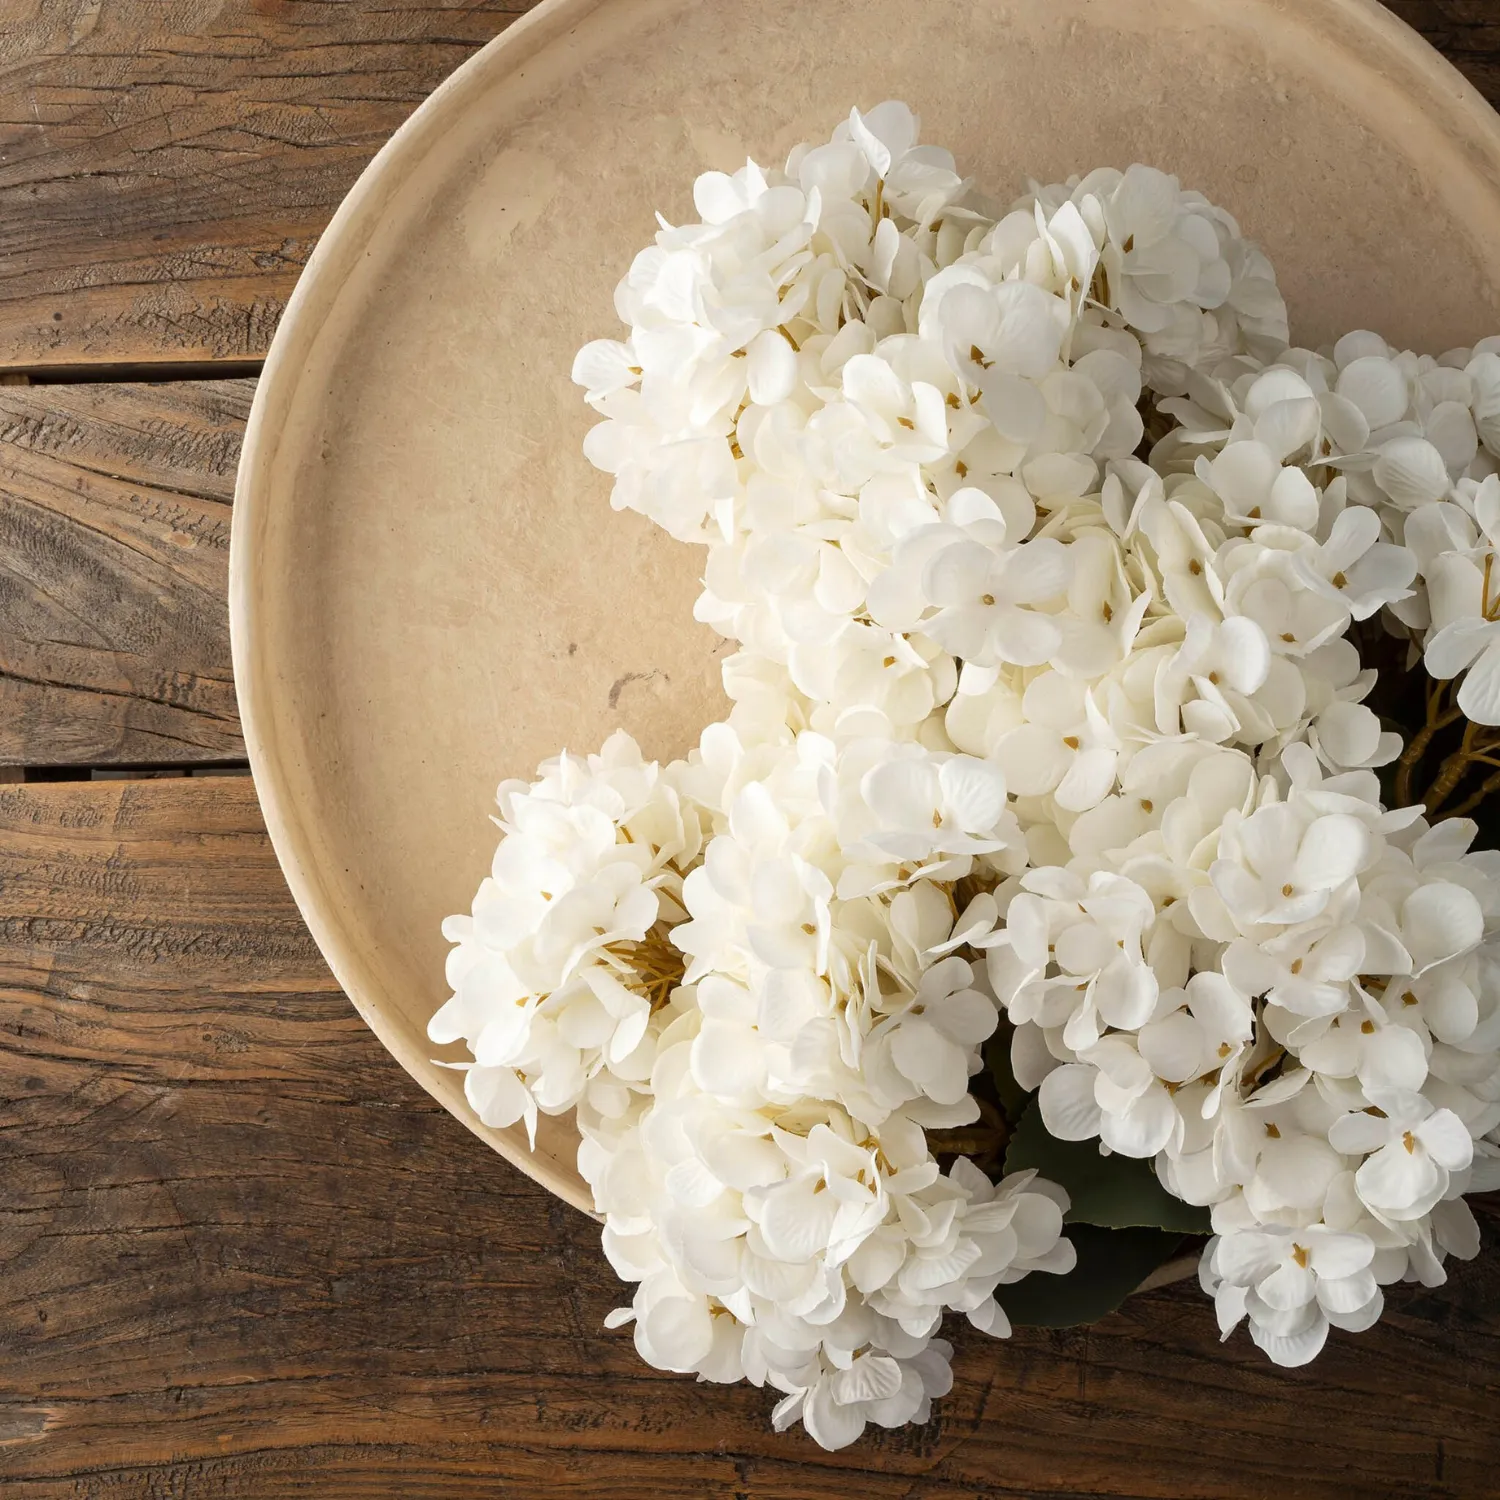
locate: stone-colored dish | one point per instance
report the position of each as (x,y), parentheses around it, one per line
(428,588)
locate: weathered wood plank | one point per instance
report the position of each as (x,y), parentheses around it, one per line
(114,547)
(244,1255)
(165,170)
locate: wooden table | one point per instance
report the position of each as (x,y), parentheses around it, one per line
(243,1255)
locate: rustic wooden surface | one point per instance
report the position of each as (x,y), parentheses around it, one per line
(241,1255)
(114,547)
(166,166)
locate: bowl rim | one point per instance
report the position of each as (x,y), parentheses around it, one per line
(349,230)
(1356,24)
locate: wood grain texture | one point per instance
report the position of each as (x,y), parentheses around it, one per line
(114,548)
(244,1257)
(166,166)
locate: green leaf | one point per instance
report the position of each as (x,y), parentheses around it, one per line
(1112,1263)
(1013,1098)
(1115,1192)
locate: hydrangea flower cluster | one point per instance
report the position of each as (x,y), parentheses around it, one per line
(753,1007)
(1041,549)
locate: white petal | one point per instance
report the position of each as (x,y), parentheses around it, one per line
(1447,1139)
(1288,1287)
(1015,406)
(874,1263)
(932,1062)
(1377,387)
(1457,1229)
(1024,638)
(885,133)
(1479,696)
(904,793)
(677,1333)
(1399,1183)
(1411,471)
(966,1016)
(1229,1306)
(829,1424)
(1145,1128)
(1089,779)
(1444,842)
(1439,921)
(1333,849)
(496,1095)
(1126,994)
(1295,1171)
(604,366)
(1455,646)
(728,1060)
(1344,423)
(1348,1294)
(973,793)
(690,1184)
(1031,328)
(1245,1257)
(1242,475)
(1246,654)
(771,368)
(1335,1255)
(796,1222)
(989,1317)
(958,574)
(1394,1059)
(1037,571)
(1033,759)
(740,1160)
(1038,1221)
(1030,1059)
(1450,1007)
(1358,1133)
(1285,427)
(787,1411)
(1450,429)
(1292,1349)
(872,1377)
(1294,500)
(1066,1098)
(1174,1046)
(1349,733)
(1362,1318)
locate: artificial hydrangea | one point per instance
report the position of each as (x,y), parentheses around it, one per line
(1041,549)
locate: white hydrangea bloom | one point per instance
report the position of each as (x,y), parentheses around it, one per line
(804,1249)
(1289,1082)
(1292,1284)
(564,959)
(1416,445)
(1040,550)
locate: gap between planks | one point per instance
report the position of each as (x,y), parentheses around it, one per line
(147,372)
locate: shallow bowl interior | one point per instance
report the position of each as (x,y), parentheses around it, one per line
(429,590)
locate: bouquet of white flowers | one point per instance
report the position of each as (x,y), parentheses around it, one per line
(1051,894)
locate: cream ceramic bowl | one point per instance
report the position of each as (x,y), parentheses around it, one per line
(428,589)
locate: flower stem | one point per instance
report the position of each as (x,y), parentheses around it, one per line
(1437,719)
(983,1142)
(1488,787)
(1452,771)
